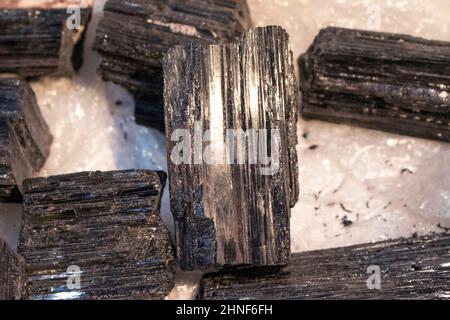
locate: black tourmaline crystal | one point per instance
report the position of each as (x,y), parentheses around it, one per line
(395,269)
(104,227)
(228,107)
(24,136)
(37,39)
(12,274)
(396,83)
(133,36)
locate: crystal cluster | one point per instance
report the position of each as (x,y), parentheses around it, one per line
(358,185)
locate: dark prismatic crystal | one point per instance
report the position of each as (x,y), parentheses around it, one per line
(39,40)
(12,273)
(390,82)
(395,269)
(102,226)
(24,136)
(231,113)
(133,36)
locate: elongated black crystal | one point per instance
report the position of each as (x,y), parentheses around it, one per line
(390,82)
(24,136)
(395,269)
(230,206)
(102,226)
(133,36)
(12,273)
(39,40)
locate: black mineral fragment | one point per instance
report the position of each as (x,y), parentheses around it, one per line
(414,268)
(96,235)
(231,113)
(12,273)
(383,81)
(42,37)
(24,136)
(133,36)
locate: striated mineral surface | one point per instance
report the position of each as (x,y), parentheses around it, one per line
(386,185)
(414,268)
(96,235)
(12,273)
(385,81)
(232,191)
(24,136)
(41,38)
(133,36)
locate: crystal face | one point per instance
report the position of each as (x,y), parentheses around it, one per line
(37,38)
(24,136)
(413,268)
(383,81)
(133,36)
(12,274)
(228,211)
(104,227)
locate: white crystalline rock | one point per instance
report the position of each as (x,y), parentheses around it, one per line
(387,185)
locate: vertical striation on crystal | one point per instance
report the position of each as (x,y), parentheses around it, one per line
(390,82)
(42,38)
(231,113)
(102,226)
(12,274)
(24,136)
(133,36)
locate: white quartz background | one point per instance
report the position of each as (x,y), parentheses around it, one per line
(388,186)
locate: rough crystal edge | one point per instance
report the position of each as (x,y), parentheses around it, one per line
(292,169)
(414,268)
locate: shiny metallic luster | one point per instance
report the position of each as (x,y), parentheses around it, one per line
(391,82)
(230,213)
(100,228)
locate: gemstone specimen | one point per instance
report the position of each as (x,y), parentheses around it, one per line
(395,269)
(391,82)
(24,136)
(96,235)
(133,36)
(231,113)
(11,273)
(41,38)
